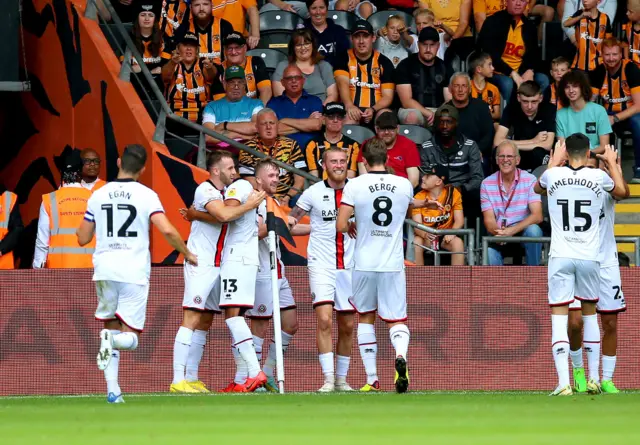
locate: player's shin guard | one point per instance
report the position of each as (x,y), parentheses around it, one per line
(241,367)
(258,343)
(368,350)
(592,345)
(243,340)
(560,347)
(125,341)
(608,366)
(400,339)
(198,342)
(181,347)
(270,363)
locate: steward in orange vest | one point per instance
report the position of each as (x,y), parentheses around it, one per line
(10,228)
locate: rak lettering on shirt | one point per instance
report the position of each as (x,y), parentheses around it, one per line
(593,186)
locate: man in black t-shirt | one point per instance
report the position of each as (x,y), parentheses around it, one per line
(532,125)
(421,79)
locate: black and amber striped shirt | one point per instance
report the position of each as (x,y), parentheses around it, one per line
(255,73)
(590,32)
(367,78)
(151,60)
(616,90)
(210,37)
(188,91)
(173,14)
(319,144)
(632,38)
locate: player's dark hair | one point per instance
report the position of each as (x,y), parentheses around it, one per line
(133,158)
(529,88)
(574,78)
(577,145)
(375,152)
(332,150)
(477,60)
(265,163)
(215,157)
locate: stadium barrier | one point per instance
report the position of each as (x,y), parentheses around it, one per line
(472,328)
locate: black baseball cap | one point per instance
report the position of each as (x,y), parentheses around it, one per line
(154,6)
(362,26)
(234,39)
(439,170)
(189,38)
(333,108)
(386,120)
(429,33)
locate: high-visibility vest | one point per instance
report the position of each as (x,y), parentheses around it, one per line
(66,208)
(7,201)
(99,184)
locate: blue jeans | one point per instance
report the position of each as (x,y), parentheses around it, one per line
(505,84)
(533,251)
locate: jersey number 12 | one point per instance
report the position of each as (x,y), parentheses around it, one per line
(122,231)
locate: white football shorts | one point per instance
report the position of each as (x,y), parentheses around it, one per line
(385,292)
(263,306)
(611,295)
(201,288)
(123,301)
(331,286)
(568,278)
(237,284)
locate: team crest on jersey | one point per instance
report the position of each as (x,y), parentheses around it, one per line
(447,208)
(625,85)
(197,74)
(375,71)
(197,299)
(216,38)
(603,28)
(249,77)
(396,60)
(262,309)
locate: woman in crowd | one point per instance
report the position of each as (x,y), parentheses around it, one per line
(332,39)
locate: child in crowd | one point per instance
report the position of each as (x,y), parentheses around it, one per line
(424,18)
(592,27)
(394,40)
(559,67)
(481,69)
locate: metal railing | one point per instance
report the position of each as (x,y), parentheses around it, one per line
(468,238)
(486,240)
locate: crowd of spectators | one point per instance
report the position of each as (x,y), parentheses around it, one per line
(468,71)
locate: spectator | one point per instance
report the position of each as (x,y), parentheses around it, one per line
(147,37)
(578,114)
(532,125)
(570,7)
(188,79)
(421,79)
(237,13)
(173,13)
(318,74)
(481,69)
(11,227)
(512,42)
(296,7)
(475,120)
(622,102)
(559,67)
(257,78)
(394,40)
(486,8)
(334,114)
(90,170)
(631,31)
(362,9)
(450,147)
(209,30)
(510,207)
(435,186)
(364,76)
(279,148)
(299,113)
(402,154)
(233,116)
(594,27)
(423,18)
(332,39)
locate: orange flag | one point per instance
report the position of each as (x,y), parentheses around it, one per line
(277,220)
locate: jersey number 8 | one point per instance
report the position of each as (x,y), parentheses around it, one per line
(382,216)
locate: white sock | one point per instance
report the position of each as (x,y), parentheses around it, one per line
(326,363)
(243,340)
(270,363)
(608,366)
(241,367)
(198,341)
(342,367)
(560,347)
(257,343)
(592,345)
(181,347)
(576,359)
(125,341)
(400,339)
(368,350)
(111,371)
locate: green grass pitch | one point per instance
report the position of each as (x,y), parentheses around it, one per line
(310,419)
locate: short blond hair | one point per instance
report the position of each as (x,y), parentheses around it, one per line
(397,18)
(427,12)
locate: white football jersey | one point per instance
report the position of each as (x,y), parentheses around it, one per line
(242,238)
(608,247)
(121,211)
(206,241)
(327,248)
(263,249)
(380,202)
(575,198)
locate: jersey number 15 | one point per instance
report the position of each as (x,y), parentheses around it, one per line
(122,231)
(577,213)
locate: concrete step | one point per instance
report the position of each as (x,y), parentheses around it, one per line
(627,218)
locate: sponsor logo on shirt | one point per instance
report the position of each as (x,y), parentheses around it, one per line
(356,82)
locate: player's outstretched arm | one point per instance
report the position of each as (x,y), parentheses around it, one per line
(344,213)
(610,158)
(85,232)
(231,209)
(191,214)
(173,237)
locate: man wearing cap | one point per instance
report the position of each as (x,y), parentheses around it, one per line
(403,157)
(235,114)
(255,71)
(333,118)
(188,79)
(421,80)
(364,76)
(435,186)
(299,113)
(452,149)
(510,207)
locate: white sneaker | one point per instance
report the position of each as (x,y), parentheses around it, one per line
(562,391)
(106,349)
(327,387)
(343,386)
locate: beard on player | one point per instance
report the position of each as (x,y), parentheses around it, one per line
(337,173)
(267,179)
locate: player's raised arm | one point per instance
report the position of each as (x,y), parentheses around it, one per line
(232,209)
(172,236)
(610,158)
